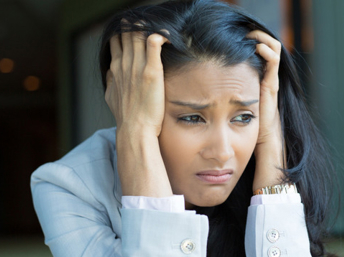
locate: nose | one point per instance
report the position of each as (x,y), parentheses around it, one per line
(218,145)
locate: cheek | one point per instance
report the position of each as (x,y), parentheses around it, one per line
(245,145)
(177,147)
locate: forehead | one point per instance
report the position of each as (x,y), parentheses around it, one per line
(209,80)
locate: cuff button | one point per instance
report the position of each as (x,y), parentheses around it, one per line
(274,252)
(187,246)
(273,235)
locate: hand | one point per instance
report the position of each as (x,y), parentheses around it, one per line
(135,82)
(135,94)
(268,151)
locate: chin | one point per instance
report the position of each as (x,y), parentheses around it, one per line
(207,201)
(212,203)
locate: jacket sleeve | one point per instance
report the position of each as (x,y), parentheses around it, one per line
(276,229)
(75,221)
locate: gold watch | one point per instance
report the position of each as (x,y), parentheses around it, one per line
(277,189)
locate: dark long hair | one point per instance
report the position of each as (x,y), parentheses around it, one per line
(204,30)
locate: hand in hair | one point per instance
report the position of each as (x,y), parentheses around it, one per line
(136,97)
(269,149)
(135,81)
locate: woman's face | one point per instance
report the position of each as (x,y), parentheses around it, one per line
(209,131)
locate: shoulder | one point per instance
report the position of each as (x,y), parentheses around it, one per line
(101,145)
(88,171)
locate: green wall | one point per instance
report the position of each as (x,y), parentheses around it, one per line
(328,86)
(76,15)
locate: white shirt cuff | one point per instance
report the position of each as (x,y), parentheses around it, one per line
(173,203)
(176,203)
(276,199)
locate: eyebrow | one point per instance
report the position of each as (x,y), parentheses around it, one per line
(243,103)
(204,106)
(191,105)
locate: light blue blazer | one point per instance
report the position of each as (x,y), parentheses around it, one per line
(78,203)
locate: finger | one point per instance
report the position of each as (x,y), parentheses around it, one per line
(115,48)
(127,46)
(272,66)
(139,46)
(265,38)
(109,80)
(109,87)
(116,59)
(154,45)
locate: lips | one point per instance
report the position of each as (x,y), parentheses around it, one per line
(215,176)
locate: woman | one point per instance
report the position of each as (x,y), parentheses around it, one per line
(209,111)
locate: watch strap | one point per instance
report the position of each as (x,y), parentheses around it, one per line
(288,188)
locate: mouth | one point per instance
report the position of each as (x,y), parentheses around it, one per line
(215,176)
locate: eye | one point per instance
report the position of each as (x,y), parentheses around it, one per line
(243,118)
(191,120)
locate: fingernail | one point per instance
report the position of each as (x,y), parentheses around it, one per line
(140,23)
(166,31)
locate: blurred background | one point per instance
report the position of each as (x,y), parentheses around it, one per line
(51,98)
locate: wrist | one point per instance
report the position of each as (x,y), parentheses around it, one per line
(140,165)
(273,150)
(134,132)
(270,159)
